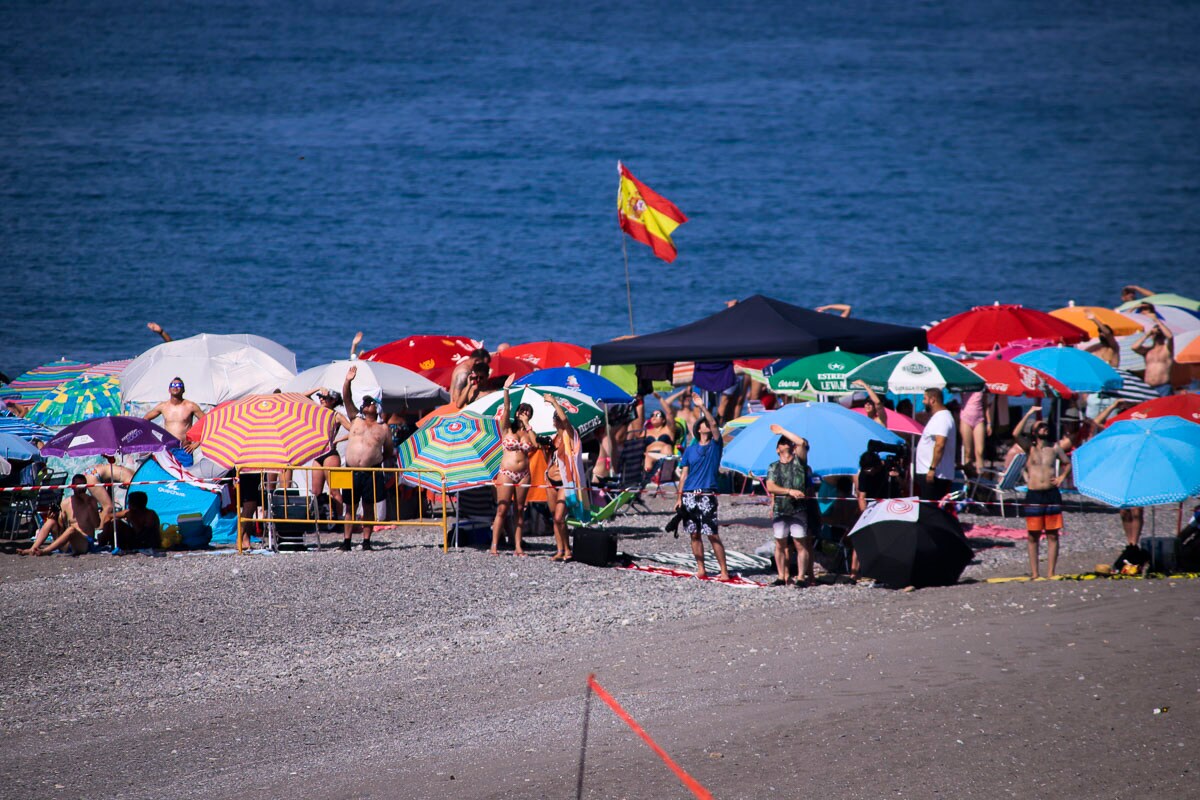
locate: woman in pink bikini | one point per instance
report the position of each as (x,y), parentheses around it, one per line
(974,426)
(512,481)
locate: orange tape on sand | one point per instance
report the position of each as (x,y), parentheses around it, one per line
(691,783)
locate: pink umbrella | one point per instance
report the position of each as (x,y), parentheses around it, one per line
(1007,352)
(897,422)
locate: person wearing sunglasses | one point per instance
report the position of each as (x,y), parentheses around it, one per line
(179,415)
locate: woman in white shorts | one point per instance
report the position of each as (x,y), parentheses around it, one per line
(788,480)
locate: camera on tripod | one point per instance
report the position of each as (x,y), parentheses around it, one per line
(897,454)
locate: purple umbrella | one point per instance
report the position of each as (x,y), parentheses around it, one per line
(109,436)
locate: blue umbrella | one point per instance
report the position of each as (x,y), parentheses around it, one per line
(23,428)
(1079,370)
(594,386)
(836,438)
(1141,462)
(18,449)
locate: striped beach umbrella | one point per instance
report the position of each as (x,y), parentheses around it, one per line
(23,428)
(29,388)
(79,399)
(914,372)
(464,447)
(266,430)
(108,367)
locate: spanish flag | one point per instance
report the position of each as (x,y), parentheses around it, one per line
(646,215)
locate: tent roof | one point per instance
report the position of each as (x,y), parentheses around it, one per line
(759,327)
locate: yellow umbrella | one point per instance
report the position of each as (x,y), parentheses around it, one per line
(265,430)
(1077,315)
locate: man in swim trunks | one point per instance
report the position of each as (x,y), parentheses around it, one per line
(178,417)
(698,499)
(73,525)
(1043,501)
(369,443)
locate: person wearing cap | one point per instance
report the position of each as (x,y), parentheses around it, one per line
(179,415)
(368,444)
(330,459)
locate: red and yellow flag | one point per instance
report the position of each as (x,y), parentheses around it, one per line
(646,215)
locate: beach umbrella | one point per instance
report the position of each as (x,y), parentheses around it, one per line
(1132,388)
(1120,324)
(79,399)
(743,421)
(1184,406)
(1080,371)
(266,430)
(1012,349)
(465,448)
(29,388)
(5,467)
(23,428)
(1163,299)
(583,412)
(1018,380)
(985,327)
(625,376)
(897,422)
(424,354)
(396,388)
(214,368)
(545,355)
(499,367)
(1179,320)
(109,436)
(903,542)
(594,386)
(1187,348)
(836,438)
(914,372)
(108,368)
(17,448)
(1140,462)
(823,373)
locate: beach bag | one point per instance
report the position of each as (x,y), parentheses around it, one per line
(169,538)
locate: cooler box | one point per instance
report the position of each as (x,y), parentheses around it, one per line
(595,546)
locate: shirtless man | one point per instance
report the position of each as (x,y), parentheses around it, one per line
(1108,349)
(369,443)
(178,417)
(110,472)
(1043,502)
(460,380)
(73,525)
(1159,355)
(1131,292)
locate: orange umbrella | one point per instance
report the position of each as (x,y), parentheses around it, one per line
(1078,316)
(265,430)
(1187,352)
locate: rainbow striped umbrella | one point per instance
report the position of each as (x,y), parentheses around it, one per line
(108,367)
(466,447)
(266,430)
(20,427)
(29,388)
(79,399)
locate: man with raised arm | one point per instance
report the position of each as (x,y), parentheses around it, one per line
(369,443)
(179,415)
(698,477)
(1043,501)
(1157,346)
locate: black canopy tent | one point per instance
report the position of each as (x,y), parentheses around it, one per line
(759,327)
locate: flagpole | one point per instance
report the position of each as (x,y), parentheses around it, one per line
(628,289)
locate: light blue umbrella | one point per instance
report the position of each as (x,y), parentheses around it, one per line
(1079,370)
(1141,462)
(18,449)
(23,428)
(836,438)
(594,386)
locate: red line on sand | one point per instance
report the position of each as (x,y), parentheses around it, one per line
(691,783)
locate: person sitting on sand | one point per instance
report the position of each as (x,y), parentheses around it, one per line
(138,526)
(72,526)
(179,415)
(512,481)
(1157,346)
(101,480)
(698,478)
(660,431)
(15,408)
(1043,501)
(788,482)
(369,444)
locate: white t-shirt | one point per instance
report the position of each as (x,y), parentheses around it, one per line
(940,424)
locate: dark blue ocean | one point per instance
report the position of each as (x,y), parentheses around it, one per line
(302,170)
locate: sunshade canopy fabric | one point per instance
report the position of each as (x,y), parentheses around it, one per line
(759,327)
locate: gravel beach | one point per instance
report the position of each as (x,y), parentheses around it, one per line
(407,672)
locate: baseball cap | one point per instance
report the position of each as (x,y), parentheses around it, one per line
(368,400)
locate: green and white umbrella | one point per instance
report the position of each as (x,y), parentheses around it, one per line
(823,373)
(914,372)
(583,412)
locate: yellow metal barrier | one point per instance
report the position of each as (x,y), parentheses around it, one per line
(339,480)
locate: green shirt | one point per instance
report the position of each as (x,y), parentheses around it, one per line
(792,475)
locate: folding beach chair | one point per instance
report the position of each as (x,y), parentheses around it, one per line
(1003,485)
(598,516)
(476,511)
(631,473)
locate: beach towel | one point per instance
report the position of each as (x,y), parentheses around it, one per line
(670,572)
(736,561)
(993,532)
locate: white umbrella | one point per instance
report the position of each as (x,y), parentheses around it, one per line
(395,387)
(213,367)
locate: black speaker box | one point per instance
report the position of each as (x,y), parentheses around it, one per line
(595,546)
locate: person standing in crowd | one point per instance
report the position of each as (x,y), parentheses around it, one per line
(873,407)
(469,376)
(369,443)
(975,425)
(875,481)
(700,465)
(788,482)
(329,459)
(1043,501)
(936,449)
(179,415)
(1107,348)
(563,471)
(512,481)
(1157,346)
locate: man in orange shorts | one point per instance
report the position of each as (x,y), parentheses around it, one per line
(1043,502)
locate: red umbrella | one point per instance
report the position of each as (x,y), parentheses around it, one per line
(501,367)
(424,354)
(1186,406)
(1017,380)
(984,327)
(544,355)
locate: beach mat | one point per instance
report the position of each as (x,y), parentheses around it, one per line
(736,561)
(735,579)
(993,532)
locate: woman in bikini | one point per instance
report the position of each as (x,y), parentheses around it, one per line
(564,468)
(512,482)
(329,458)
(660,429)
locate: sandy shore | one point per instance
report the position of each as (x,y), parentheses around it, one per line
(411,673)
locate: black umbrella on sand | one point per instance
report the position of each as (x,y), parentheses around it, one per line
(905,543)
